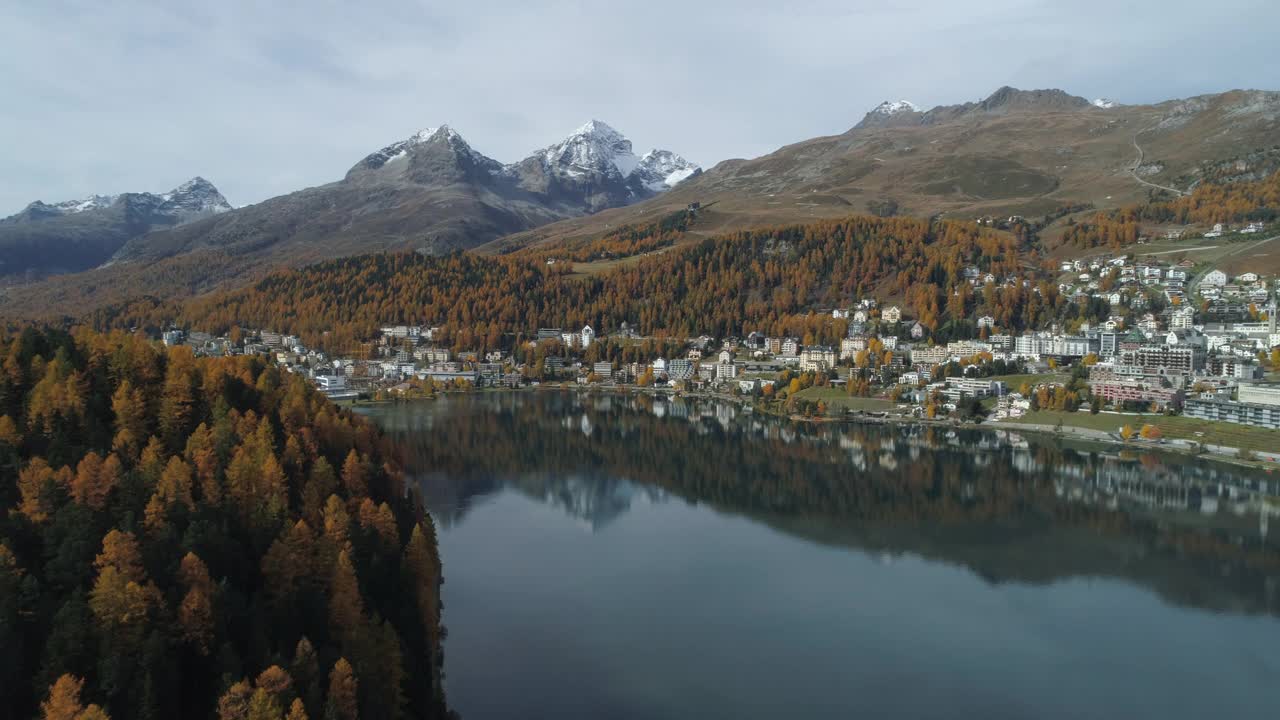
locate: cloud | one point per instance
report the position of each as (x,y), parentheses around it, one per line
(264,98)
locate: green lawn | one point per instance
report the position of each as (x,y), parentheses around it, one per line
(1214,433)
(837,399)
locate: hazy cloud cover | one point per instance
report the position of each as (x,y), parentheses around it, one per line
(267,97)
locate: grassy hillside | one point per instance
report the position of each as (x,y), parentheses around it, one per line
(1021,162)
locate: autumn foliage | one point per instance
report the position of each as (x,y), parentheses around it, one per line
(769,279)
(175,542)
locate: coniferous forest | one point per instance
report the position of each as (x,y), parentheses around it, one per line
(200,538)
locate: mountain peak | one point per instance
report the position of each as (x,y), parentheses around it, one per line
(893,107)
(597,128)
(195,196)
(424,134)
(1011,98)
(891,113)
(400,149)
(661,170)
(593,147)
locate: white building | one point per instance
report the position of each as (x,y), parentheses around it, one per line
(1214,277)
(1182,318)
(850,347)
(817,359)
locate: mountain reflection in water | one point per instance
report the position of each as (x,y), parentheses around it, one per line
(1009,508)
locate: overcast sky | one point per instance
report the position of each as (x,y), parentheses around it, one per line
(267,97)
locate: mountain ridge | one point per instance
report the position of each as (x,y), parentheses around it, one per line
(73,235)
(431,192)
(1014,152)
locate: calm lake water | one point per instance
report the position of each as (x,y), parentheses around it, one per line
(625,557)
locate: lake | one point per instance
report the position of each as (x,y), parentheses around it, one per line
(617,556)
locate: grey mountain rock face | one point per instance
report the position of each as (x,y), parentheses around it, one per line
(431,192)
(73,235)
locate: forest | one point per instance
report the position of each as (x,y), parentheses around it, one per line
(773,280)
(1208,203)
(197,537)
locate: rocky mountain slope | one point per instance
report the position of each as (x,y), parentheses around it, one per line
(76,235)
(1023,152)
(430,192)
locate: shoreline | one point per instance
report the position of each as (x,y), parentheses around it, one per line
(1220,454)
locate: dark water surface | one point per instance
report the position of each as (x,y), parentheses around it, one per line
(621,557)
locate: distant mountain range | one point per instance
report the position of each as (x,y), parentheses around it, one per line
(1015,152)
(430,192)
(77,235)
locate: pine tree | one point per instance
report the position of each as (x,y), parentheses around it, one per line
(353,476)
(63,702)
(195,614)
(9,434)
(305,670)
(263,706)
(321,483)
(346,606)
(289,563)
(130,420)
(234,703)
(174,488)
(337,523)
(178,398)
(342,702)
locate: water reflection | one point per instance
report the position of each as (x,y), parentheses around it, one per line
(1008,508)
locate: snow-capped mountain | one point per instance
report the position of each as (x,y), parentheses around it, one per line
(594,155)
(891,113)
(893,107)
(662,169)
(79,234)
(430,191)
(1104,103)
(597,149)
(598,165)
(434,156)
(593,148)
(397,150)
(66,207)
(196,196)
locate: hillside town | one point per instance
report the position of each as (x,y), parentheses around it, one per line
(1174,342)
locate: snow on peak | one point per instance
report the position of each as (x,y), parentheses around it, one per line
(662,169)
(93,202)
(594,147)
(400,150)
(196,195)
(423,135)
(1104,103)
(893,107)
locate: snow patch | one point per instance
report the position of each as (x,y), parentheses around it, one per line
(678,175)
(594,147)
(660,170)
(893,107)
